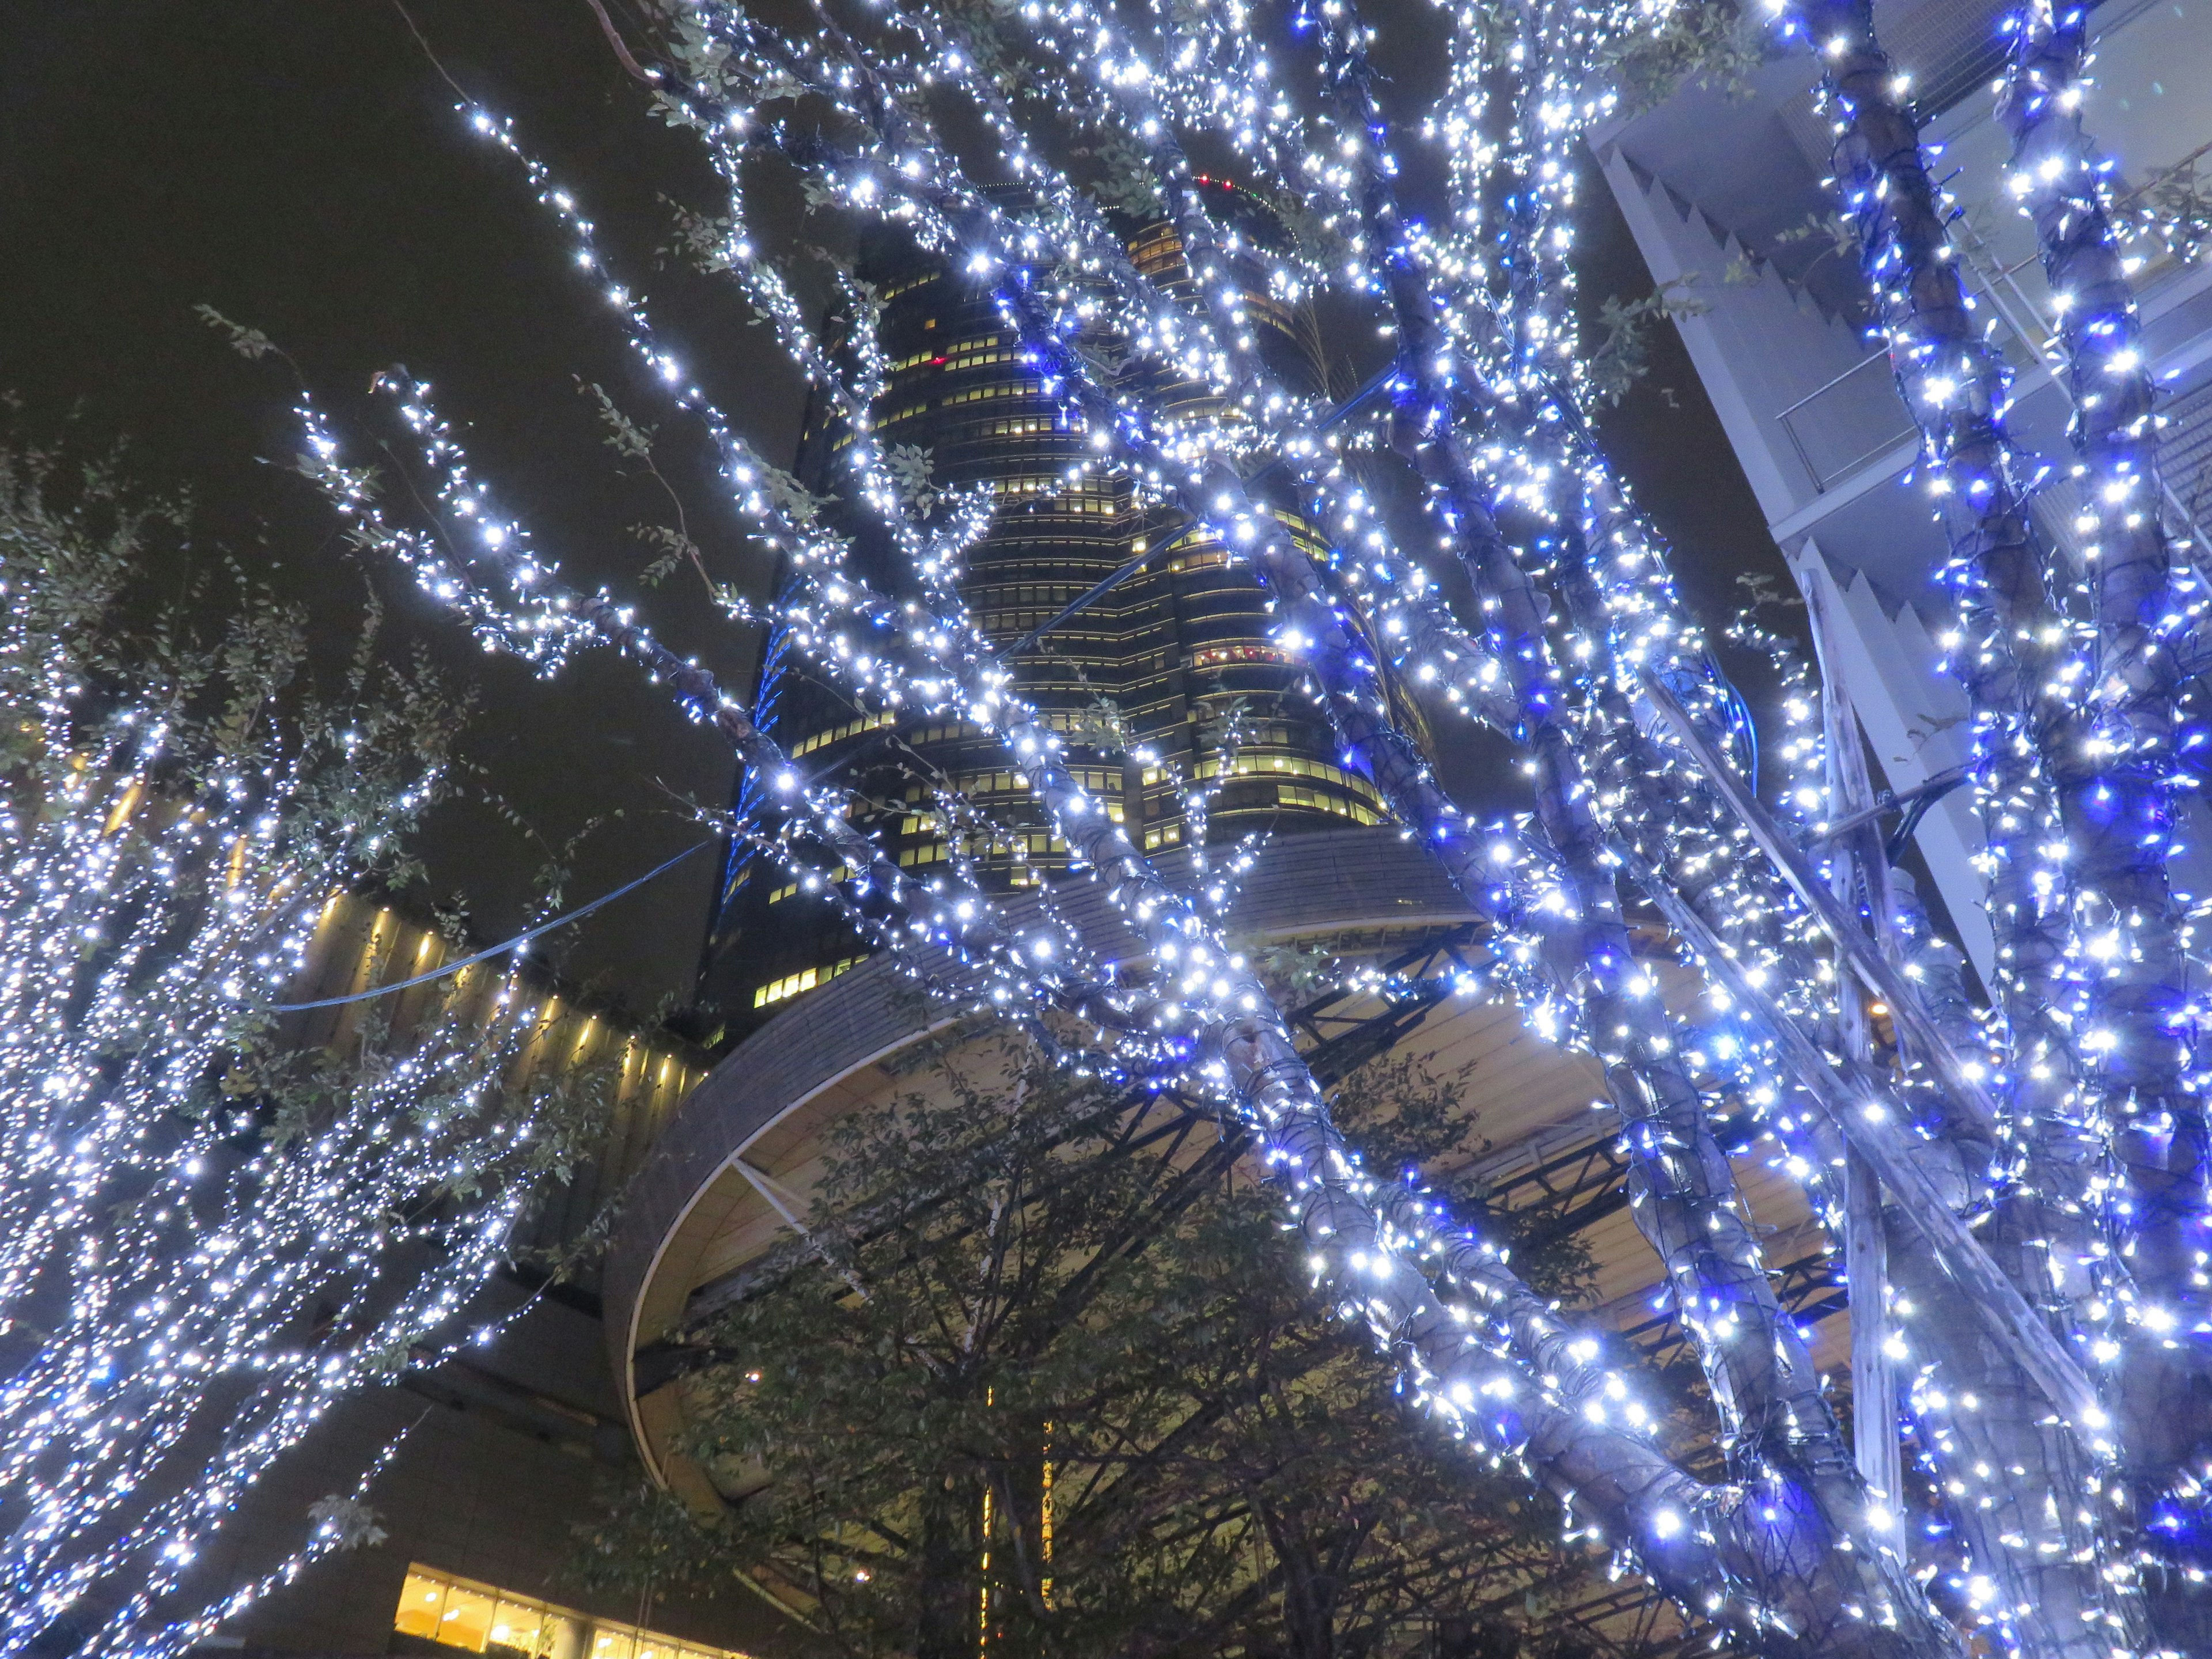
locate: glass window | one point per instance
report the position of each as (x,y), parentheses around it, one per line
(421,1600)
(516,1627)
(467,1620)
(441,1608)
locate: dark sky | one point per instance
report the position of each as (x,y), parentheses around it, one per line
(299,166)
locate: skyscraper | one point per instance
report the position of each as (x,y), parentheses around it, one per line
(1170,659)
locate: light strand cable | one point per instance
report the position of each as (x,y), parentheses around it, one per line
(576,915)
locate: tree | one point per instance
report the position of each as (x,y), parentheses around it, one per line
(1043,1365)
(209,1233)
(2033,1171)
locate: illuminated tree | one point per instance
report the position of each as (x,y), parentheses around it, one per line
(209,1232)
(1041,1364)
(2029,1178)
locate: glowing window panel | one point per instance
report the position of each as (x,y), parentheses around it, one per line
(459,1613)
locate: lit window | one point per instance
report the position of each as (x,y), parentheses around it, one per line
(807,979)
(455,1612)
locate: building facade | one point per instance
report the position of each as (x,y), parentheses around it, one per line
(1723,191)
(501,1453)
(1164,659)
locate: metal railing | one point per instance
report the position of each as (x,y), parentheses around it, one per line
(1826,471)
(1814,422)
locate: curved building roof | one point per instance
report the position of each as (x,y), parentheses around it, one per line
(734,1168)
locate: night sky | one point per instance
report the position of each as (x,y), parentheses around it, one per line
(299,166)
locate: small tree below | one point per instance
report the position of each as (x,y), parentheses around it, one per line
(1043,1372)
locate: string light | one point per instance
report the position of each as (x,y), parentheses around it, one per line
(207,1240)
(2039,1123)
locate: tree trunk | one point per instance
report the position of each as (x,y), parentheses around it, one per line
(949,1622)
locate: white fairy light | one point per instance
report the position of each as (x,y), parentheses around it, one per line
(1577,622)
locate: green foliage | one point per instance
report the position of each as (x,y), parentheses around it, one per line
(120,632)
(250,344)
(1018,1298)
(909,466)
(1294,965)
(1840,234)
(1121,175)
(184,782)
(351,1524)
(793,498)
(1704,40)
(1623,354)
(217,657)
(2176,207)
(671,538)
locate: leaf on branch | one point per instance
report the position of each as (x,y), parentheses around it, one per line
(1841,234)
(1623,355)
(672,112)
(2177,209)
(675,547)
(627,438)
(1708,42)
(1125,179)
(1294,966)
(704,58)
(1762,593)
(702,240)
(910,466)
(348,1523)
(250,344)
(1102,724)
(791,498)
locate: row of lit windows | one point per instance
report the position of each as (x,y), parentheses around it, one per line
(1056,719)
(842,872)
(1059,720)
(979,360)
(1256,736)
(1054,594)
(1096,778)
(780,990)
(1156,255)
(1291,795)
(1236,606)
(1044,483)
(1220,655)
(928,823)
(456,1612)
(1037,843)
(939,354)
(1003,389)
(907,286)
(1297,766)
(1083,502)
(807,745)
(1089,624)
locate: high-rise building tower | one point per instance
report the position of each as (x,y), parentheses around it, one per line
(1163,660)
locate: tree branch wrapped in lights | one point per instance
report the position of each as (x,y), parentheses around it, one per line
(2043,1169)
(212,1230)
